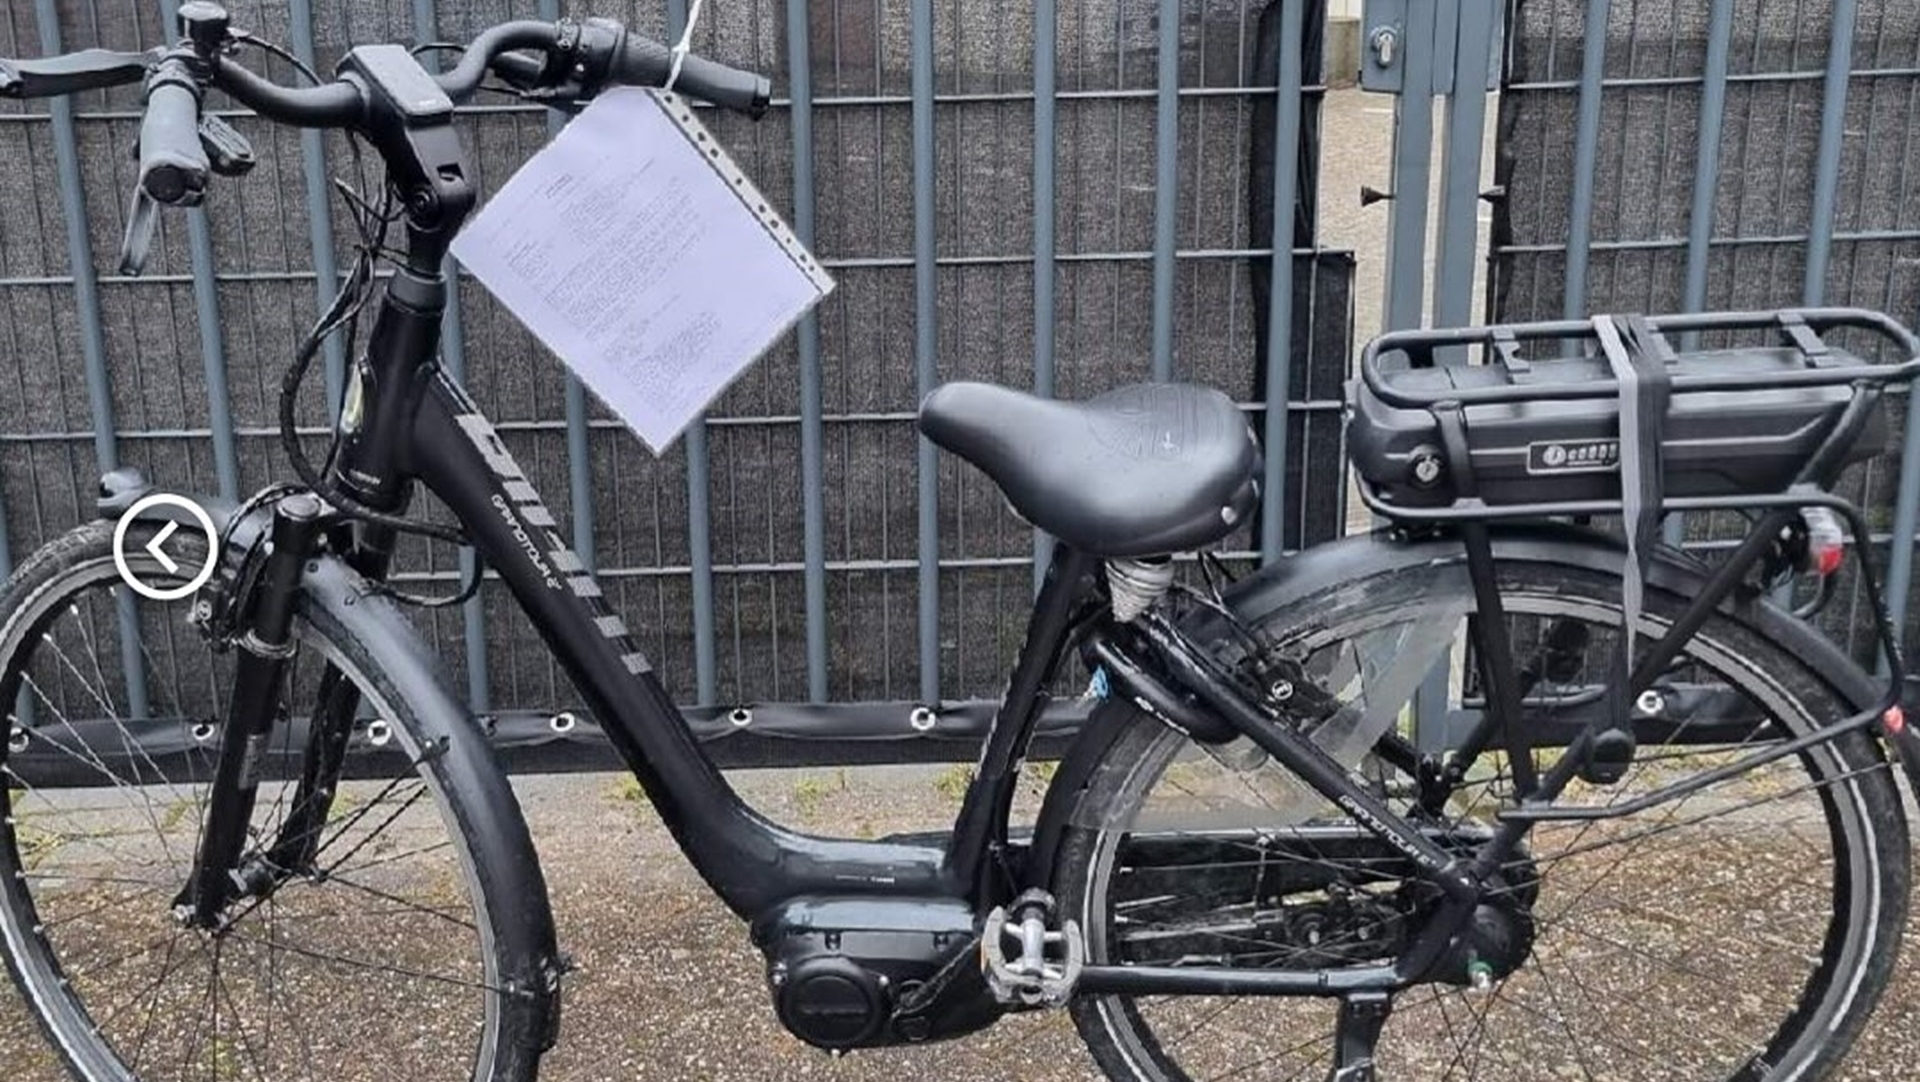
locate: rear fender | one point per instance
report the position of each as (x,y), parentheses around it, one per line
(1354,558)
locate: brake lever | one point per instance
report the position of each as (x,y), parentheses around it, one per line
(142,220)
(88,69)
(528,79)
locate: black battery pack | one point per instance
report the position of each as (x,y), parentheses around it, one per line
(1715,442)
(1739,421)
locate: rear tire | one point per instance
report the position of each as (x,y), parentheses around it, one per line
(1624,977)
(410,957)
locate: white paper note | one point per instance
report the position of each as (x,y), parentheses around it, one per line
(636,250)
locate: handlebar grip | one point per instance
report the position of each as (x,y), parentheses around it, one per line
(173,165)
(644,62)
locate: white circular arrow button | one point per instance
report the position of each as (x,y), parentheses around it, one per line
(158,550)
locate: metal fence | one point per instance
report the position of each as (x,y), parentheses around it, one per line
(1058,195)
(1717,154)
(969,170)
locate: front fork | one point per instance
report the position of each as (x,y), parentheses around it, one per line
(254,706)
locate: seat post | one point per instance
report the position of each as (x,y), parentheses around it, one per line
(980,832)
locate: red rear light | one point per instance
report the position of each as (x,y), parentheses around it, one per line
(1827,560)
(1826,542)
(1895,720)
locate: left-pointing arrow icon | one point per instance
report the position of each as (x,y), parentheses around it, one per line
(140,546)
(154,547)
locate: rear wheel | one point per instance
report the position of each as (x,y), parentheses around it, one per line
(382,958)
(1744,932)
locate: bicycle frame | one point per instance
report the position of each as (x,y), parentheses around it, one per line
(436,435)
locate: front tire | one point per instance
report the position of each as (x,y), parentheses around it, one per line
(403,952)
(1743,933)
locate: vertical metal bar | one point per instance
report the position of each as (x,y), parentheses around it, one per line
(699,508)
(1045,46)
(579,450)
(206,304)
(93,346)
(313,174)
(453,351)
(1906,518)
(700,558)
(1166,189)
(1586,154)
(1406,270)
(1826,178)
(925,306)
(1288,81)
(1706,172)
(1466,126)
(813,497)
(1406,259)
(1706,181)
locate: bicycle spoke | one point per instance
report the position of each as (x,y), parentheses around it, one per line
(404,904)
(373,967)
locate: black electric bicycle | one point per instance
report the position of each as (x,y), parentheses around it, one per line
(1660,837)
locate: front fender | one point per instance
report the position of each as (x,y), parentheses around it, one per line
(1363,555)
(506,864)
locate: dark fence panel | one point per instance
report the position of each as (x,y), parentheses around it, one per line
(962,165)
(1718,154)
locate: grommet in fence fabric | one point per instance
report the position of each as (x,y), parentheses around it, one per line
(922,719)
(202,731)
(379,732)
(562,722)
(17,739)
(741,717)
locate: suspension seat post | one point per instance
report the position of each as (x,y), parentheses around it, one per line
(264,650)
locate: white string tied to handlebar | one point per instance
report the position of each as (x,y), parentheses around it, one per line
(678,54)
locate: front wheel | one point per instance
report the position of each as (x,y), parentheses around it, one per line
(397,951)
(1744,932)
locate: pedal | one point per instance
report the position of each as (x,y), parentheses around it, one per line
(1029,958)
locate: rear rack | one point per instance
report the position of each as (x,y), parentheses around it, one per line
(1638,356)
(1621,339)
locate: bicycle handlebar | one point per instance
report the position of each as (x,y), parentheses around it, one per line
(376,89)
(607,53)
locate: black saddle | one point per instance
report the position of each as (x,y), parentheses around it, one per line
(1141,470)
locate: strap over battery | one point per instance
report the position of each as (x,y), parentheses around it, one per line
(1639,359)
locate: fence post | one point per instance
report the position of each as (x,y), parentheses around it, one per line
(1045,42)
(1417,50)
(313,174)
(93,345)
(1289,77)
(473,612)
(813,503)
(925,306)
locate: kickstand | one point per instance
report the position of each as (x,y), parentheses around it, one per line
(1362,1014)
